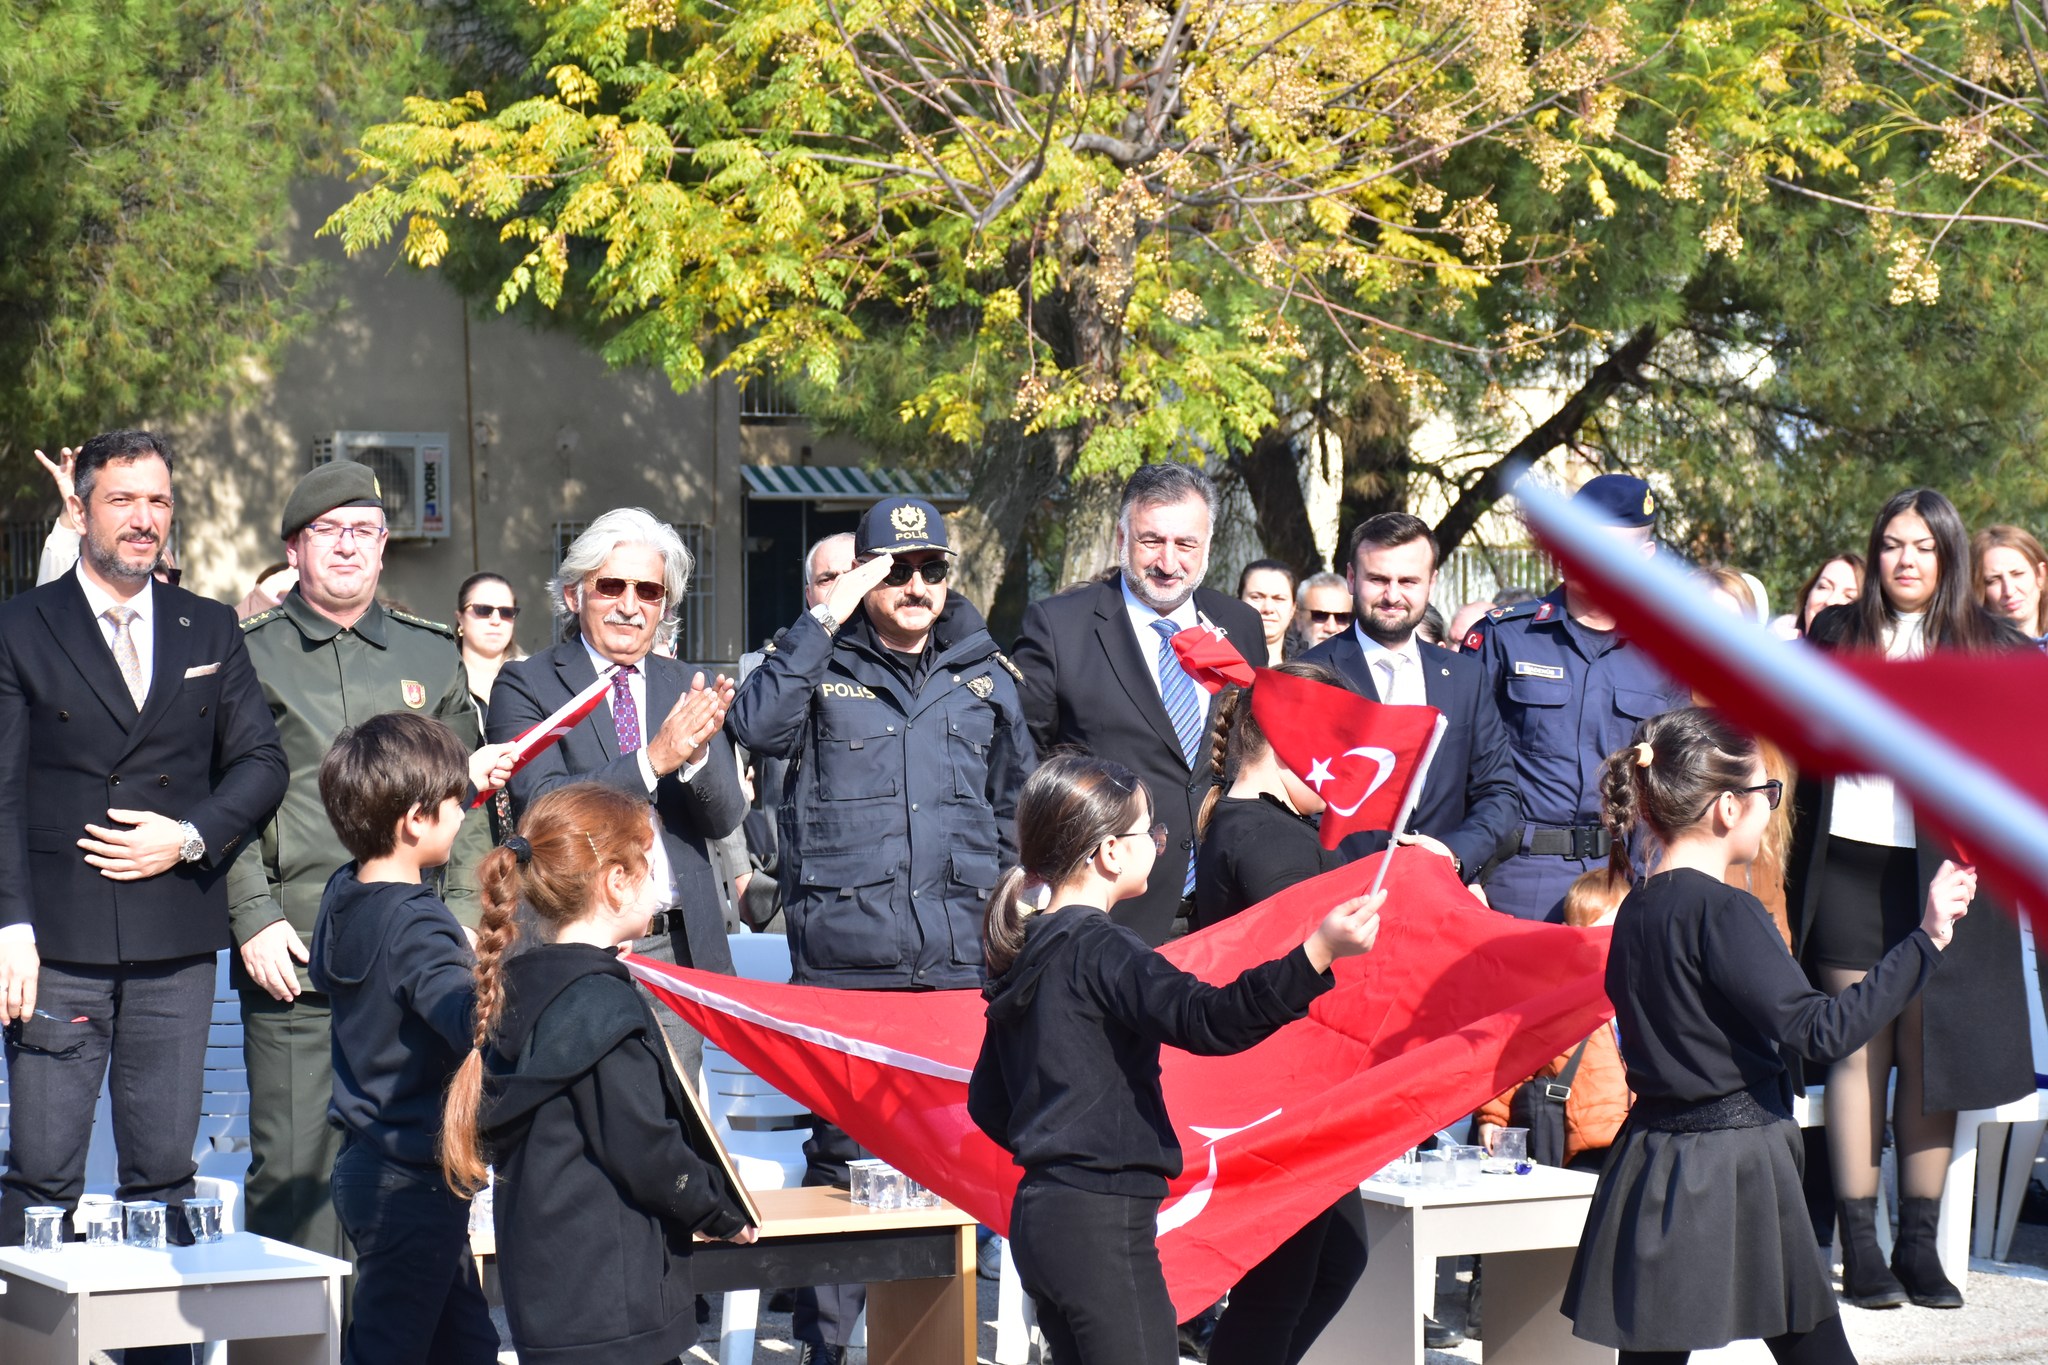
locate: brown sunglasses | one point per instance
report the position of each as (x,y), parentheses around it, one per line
(616,587)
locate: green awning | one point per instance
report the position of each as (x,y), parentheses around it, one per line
(842,483)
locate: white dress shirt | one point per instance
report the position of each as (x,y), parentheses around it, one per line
(1142,616)
(1868,808)
(636,684)
(1396,673)
(141,630)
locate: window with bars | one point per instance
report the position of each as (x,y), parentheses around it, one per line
(763,398)
(694,614)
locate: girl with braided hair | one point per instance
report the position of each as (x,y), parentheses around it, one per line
(569,1091)
(1705,1176)
(1257,838)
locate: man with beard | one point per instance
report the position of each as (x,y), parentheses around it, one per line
(1468,802)
(135,757)
(907,747)
(1099,670)
(330,656)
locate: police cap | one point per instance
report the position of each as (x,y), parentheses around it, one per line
(1619,500)
(338,483)
(899,525)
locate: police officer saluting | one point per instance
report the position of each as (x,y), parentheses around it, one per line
(1571,689)
(908,746)
(330,656)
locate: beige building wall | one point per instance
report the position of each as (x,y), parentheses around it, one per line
(540,432)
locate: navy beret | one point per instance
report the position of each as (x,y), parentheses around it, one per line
(1619,500)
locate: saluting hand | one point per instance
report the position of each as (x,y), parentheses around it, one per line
(1349,929)
(855,584)
(1948,900)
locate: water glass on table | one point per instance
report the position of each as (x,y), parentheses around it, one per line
(1510,1153)
(202,1216)
(145,1223)
(42,1228)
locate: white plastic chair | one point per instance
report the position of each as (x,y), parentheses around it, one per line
(2019,1125)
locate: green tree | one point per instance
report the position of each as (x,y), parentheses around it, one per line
(147,153)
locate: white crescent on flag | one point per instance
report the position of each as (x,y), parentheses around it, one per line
(1383,757)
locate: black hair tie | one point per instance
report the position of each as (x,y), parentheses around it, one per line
(520,849)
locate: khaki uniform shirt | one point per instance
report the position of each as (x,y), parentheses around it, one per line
(319,676)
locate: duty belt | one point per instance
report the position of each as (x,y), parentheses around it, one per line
(1573,841)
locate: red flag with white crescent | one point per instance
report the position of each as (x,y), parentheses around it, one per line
(1454,1004)
(1366,759)
(1209,658)
(535,739)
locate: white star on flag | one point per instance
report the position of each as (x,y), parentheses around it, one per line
(1319,773)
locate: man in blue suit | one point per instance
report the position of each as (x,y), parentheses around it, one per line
(1469,800)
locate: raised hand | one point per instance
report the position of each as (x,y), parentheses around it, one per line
(1349,929)
(1948,900)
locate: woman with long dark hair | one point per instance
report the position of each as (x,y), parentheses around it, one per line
(1859,870)
(1258,837)
(1839,579)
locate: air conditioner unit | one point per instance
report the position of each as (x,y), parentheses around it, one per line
(412,470)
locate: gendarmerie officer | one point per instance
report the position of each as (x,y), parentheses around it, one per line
(907,747)
(329,657)
(1572,690)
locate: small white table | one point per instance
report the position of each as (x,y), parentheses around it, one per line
(1527,1227)
(272,1303)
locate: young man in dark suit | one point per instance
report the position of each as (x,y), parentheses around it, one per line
(1099,670)
(1468,801)
(136,754)
(657,733)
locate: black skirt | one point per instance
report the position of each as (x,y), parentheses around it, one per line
(1869,901)
(1695,1240)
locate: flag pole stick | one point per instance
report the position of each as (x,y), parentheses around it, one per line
(1409,799)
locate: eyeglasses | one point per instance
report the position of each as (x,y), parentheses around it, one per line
(1157,833)
(1773,790)
(483,613)
(616,587)
(1330,618)
(329,533)
(930,570)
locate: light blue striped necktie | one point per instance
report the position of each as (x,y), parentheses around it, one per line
(1183,707)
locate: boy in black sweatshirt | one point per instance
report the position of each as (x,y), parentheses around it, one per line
(397,968)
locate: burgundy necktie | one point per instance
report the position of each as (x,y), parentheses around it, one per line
(625,715)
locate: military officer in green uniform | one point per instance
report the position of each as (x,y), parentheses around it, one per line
(329,657)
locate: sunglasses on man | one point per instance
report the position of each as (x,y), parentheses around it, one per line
(930,570)
(1330,618)
(608,588)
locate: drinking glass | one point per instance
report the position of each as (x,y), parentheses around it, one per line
(1510,1153)
(1465,1164)
(202,1216)
(42,1228)
(145,1223)
(102,1225)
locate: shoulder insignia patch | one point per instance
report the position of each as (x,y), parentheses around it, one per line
(768,648)
(261,618)
(1013,670)
(421,621)
(1546,611)
(982,686)
(1475,639)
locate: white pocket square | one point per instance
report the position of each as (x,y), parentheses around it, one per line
(201,670)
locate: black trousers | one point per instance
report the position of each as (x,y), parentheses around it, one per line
(143,1028)
(1091,1265)
(825,1314)
(1284,1302)
(417,1300)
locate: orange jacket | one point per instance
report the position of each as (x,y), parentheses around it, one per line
(1599,1100)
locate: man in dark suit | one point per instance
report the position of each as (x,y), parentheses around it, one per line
(656,734)
(1099,670)
(1468,801)
(136,754)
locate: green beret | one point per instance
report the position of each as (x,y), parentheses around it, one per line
(338,483)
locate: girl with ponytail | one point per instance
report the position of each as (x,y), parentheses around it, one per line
(569,1092)
(1068,1077)
(1706,1172)
(1259,837)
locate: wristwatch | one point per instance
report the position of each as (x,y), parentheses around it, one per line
(194,847)
(822,614)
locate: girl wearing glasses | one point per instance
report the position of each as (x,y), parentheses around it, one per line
(1068,1077)
(486,616)
(1698,1234)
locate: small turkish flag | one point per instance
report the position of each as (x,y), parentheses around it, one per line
(1210,659)
(1365,759)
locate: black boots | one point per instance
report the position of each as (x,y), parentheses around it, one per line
(1914,1260)
(1865,1281)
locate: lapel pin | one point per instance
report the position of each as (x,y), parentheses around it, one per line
(1447,672)
(184,620)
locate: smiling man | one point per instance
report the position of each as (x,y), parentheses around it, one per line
(1099,669)
(329,656)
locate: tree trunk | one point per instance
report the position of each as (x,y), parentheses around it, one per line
(1373,428)
(1622,368)
(1010,483)
(1271,471)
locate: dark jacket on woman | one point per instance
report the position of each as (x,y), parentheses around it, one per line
(1255,847)
(1974,1010)
(1068,1077)
(599,1179)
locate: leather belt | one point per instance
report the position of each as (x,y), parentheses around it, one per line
(659,925)
(1572,841)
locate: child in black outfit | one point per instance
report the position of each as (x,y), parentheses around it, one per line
(396,967)
(601,1174)
(1705,1176)
(1068,1077)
